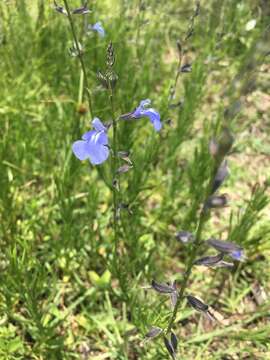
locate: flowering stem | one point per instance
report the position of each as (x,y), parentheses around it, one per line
(202,220)
(114,165)
(204,216)
(80,56)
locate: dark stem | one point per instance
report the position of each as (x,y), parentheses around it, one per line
(204,216)
(195,247)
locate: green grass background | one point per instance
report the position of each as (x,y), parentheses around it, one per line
(59,296)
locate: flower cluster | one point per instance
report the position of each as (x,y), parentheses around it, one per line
(95,145)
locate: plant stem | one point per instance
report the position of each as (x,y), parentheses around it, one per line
(80,56)
(204,216)
(202,220)
(114,166)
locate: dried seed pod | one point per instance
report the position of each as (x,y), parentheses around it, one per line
(216,201)
(184,236)
(213,147)
(234,250)
(123,169)
(60,9)
(174,295)
(74,52)
(123,154)
(102,79)
(81,10)
(170,348)
(110,55)
(197,304)
(115,184)
(111,78)
(186,68)
(223,246)
(173,298)
(174,341)
(225,142)
(209,260)
(223,263)
(153,332)
(221,175)
(162,288)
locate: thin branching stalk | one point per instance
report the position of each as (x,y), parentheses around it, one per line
(114,168)
(80,56)
(195,247)
(204,216)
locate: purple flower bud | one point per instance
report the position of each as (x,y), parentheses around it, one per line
(184,236)
(186,68)
(209,260)
(221,175)
(199,306)
(153,332)
(170,348)
(213,261)
(81,10)
(216,201)
(162,288)
(226,247)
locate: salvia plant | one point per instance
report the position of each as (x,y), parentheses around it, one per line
(101,144)
(147,218)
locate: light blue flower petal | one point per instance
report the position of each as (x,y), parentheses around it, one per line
(97,124)
(98,153)
(154,118)
(99,29)
(102,138)
(81,149)
(87,136)
(145,103)
(237,255)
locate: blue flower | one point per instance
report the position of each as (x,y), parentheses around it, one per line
(152,114)
(98,28)
(238,255)
(94,144)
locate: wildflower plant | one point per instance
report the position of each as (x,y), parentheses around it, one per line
(118,219)
(195,242)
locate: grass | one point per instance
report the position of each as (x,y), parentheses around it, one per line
(63,294)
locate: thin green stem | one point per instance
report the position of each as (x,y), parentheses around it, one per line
(204,216)
(195,247)
(114,166)
(80,56)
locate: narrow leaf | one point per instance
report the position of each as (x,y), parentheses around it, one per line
(169,347)
(123,169)
(174,341)
(209,260)
(223,246)
(221,175)
(197,304)
(162,288)
(153,332)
